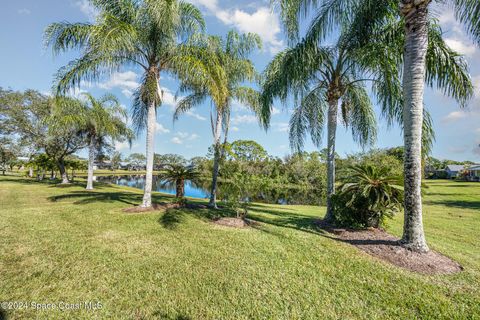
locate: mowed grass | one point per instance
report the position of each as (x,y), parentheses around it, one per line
(64,244)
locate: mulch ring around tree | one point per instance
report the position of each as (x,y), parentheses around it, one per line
(233,222)
(163,206)
(386,247)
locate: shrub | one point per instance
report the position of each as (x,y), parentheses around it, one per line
(367,197)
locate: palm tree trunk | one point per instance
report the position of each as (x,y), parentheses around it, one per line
(216,159)
(151,119)
(30,172)
(180,188)
(91,159)
(416,21)
(332,131)
(63,172)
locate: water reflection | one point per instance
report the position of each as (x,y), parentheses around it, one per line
(276,194)
(138,181)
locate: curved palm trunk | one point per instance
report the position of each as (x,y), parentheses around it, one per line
(216,159)
(91,159)
(147,195)
(413,85)
(332,131)
(63,172)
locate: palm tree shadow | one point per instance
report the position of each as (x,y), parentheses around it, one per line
(85,197)
(289,219)
(461,204)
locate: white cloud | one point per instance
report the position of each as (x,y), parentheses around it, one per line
(244,119)
(122,145)
(24,11)
(275,111)
(87,9)
(195,115)
(126,81)
(281,126)
(181,137)
(176,140)
(235,129)
(463,47)
(262,21)
(160,128)
(168,98)
(454,116)
(456,37)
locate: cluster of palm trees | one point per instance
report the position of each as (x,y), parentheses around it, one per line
(390,47)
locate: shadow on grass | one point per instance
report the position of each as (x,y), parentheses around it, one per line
(280,218)
(173,217)
(85,197)
(166,316)
(461,204)
(3,314)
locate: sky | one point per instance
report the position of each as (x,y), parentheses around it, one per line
(25,63)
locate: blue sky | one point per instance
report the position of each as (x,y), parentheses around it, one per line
(25,63)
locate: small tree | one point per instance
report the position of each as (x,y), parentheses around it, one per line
(176,174)
(116,160)
(367,197)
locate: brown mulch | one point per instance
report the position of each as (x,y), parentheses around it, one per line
(163,206)
(233,222)
(386,247)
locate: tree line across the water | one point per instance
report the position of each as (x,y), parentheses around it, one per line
(384,52)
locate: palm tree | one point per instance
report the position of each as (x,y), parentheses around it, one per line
(425,59)
(149,35)
(225,67)
(176,174)
(368,195)
(102,119)
(326,80)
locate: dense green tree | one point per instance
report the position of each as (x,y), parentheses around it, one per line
(148,35)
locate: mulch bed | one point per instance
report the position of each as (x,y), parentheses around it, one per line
(163,206)
(233,222)
(384,246)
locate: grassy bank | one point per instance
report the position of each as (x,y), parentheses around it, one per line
(64,244)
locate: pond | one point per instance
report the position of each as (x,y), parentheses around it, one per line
(280,194)
(138,181)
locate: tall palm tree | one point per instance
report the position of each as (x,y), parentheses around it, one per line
(327,80)
(226,67)
(425,59)
(102,120)
(149,35)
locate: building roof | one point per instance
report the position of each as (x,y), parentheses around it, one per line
(455,167)
(474,167)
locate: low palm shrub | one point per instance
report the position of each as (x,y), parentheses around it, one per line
(367,197)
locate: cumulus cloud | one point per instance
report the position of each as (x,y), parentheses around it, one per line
(122,146)
(195,115)
(244,119)
(87,9)
(457,38)
(181,137)
(125,81)
(280,126)
(261,21)
(454,116)
(160,128)
(466,48)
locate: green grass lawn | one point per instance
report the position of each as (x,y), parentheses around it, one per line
(64,244)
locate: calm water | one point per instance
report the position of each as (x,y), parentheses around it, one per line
(278,194)
(138,181)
